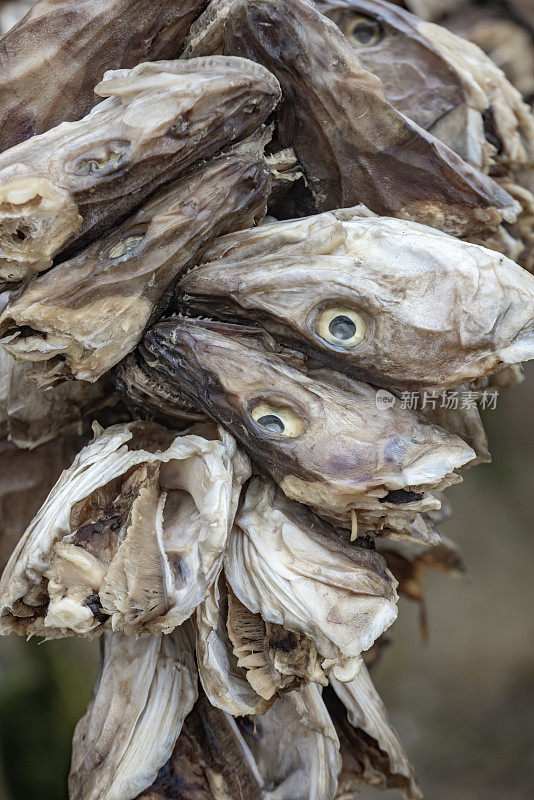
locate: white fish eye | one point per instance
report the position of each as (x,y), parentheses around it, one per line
(342,327)
(362,31)
(280,420)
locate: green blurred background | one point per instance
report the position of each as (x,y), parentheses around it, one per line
(463,704)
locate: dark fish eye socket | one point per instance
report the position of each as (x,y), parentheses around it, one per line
(272,423)
(342,327)
(362,31)
(100,160)
(278,419)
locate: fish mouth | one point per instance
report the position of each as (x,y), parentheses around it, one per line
(36,220)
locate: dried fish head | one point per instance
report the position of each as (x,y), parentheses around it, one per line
(130,537)
(329,446)
(146,688)
(440,81)
(388,301)
(354,146)
(292,568)
(67,186)
(83,316)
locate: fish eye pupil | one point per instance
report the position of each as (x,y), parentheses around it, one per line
(272,423)
(342,328)
(364,32)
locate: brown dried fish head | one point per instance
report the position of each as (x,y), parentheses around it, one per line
(440,81)
(353,145)
(53,58)
(87,313)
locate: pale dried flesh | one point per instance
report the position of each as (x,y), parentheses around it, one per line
(146,688)
(86,314)
(130,538)
(295,571)
(67,186)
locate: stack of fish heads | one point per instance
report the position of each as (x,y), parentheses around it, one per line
(239,536)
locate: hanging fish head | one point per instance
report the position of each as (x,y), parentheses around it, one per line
(391,302)
(328,444)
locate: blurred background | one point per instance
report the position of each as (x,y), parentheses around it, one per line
(463,704)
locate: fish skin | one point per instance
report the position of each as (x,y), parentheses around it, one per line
(52,60)
(439,312)
(89,312)
(353,145)
(344,452)
(63,189)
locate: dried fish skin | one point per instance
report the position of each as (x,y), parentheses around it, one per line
(206,34)
(424,86)
(69,185)
(295,748)
(12,11)
(370,747)
(53,58)
(510,119)
(290,567)
(86,314)
(142,516)
(211,761)
(146,688)
(424,309)
(440,81)
(353,145)
(326,445)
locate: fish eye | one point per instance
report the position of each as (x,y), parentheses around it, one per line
(124,246)
(100,160)
(362,31)
(281,420)
(342,327)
